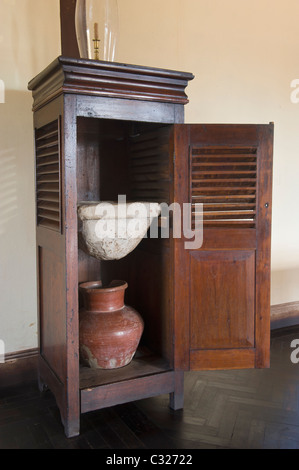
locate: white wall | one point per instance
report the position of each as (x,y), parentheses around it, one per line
(29,40)
(244,54)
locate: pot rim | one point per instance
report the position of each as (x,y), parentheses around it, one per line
(93,286)
(89,210)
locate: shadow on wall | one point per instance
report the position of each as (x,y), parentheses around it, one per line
(16,164)
(17,223)
(8,174)
(284,286)
(2,92)
(8,188)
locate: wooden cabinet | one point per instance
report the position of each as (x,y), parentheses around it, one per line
(104,130)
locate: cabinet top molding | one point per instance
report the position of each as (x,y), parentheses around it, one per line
(108,79)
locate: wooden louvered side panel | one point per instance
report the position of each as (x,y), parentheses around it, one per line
(149,171)
(224,180)
(48,200)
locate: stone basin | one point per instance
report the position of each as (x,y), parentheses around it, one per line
(112,230)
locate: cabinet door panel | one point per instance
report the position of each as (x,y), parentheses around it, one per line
(222,301)
(51,310)
(222,295)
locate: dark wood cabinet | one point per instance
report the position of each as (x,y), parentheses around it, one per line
(106,129)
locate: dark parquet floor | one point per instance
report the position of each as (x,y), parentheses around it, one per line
(243,409)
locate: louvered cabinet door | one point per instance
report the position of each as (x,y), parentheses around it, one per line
(48,198)
(223,303)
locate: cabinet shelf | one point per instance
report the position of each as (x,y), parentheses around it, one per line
(146,376)
(143,364)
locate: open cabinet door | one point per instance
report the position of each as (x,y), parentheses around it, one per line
(222,294)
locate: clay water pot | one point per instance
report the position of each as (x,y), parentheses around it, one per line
(109,330)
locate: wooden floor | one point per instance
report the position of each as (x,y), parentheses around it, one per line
(255,409)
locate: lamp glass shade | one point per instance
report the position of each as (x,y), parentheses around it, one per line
(97,29)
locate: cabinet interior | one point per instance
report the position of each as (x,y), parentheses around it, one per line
(130,159)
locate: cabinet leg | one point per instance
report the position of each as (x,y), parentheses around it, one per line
(176,398)
(71,422)
(70,417)
(42,386)
(72,428)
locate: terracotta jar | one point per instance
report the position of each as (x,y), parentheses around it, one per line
(110,331)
